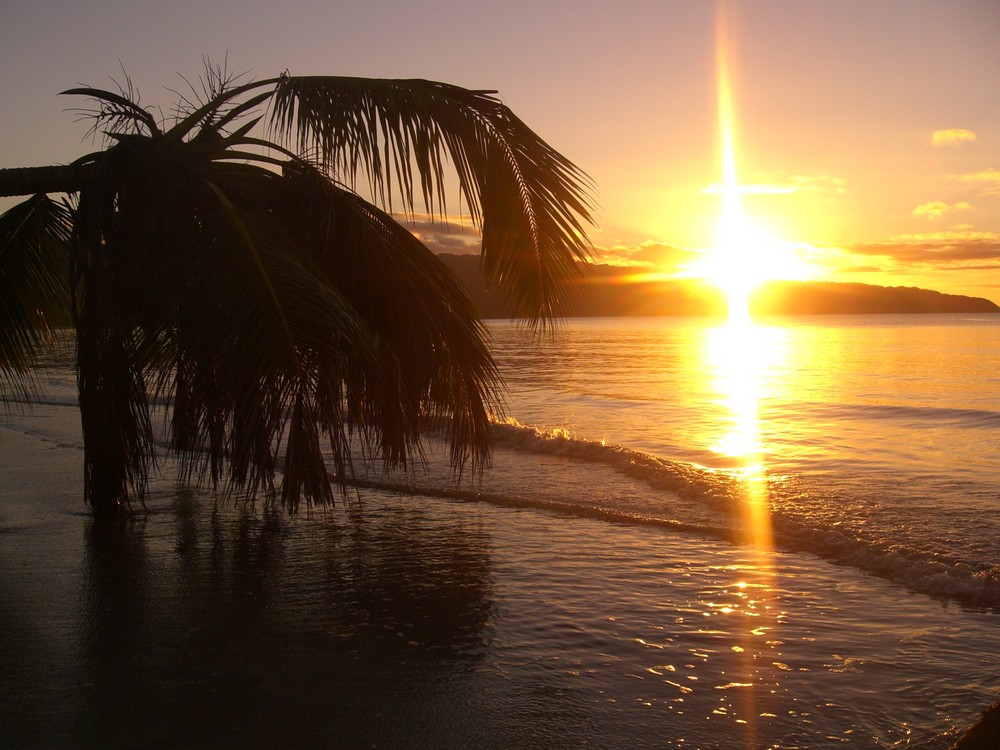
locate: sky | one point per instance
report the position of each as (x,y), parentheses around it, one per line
(865,133)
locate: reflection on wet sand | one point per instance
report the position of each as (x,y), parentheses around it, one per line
(737,354)
(421,621)
(207,626)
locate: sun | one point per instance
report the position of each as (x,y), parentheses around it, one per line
(745,255)
(739,262)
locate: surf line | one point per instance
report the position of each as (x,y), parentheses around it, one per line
(555,506)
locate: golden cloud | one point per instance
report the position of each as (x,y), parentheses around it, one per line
(937,209)
(796,184)
(988,178)
(648,254)
(962,234)
(717,188)
(453,234)
(949,249)
(952,136)
(932,210)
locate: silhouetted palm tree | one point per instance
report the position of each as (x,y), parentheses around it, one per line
(243,281)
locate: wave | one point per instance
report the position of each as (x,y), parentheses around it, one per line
(909,414)
(48,399)
(963,418)
(695,499)
(925,568)
(67,397)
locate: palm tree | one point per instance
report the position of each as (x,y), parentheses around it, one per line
(242,281)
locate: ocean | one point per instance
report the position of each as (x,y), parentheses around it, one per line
(693,535)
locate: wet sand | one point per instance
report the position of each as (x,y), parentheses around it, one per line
(411,622)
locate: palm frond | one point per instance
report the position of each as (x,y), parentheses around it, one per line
(34,285)
(375,337)
(116,113)
(226,102)
(434,354)
(283,317)
(253,332)
(531,203)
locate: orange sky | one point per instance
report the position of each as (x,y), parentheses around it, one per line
(866,134)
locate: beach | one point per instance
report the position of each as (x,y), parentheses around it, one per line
(590,589)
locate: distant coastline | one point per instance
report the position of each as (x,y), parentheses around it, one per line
(606,291)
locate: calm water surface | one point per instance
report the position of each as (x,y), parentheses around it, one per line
(876,438)
(608,583)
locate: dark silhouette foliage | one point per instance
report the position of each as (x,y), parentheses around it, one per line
(244,281)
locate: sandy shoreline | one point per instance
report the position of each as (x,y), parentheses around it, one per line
(402,623)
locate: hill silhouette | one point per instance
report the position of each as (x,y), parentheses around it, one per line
(829,298)
(610,291)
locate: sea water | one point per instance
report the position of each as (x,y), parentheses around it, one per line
(875,439)
(692,535)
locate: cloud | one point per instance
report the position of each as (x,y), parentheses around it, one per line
(456,234)
(796,184)
(456,224)
(952,249)
(716,188)
(952,137)
(444,243)
(937,209)
(648,254)
(861,269)
(987,179)
(932,210)
(820,182)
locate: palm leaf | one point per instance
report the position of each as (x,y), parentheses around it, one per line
(531,202)
(117,111)
(273,308)
(34,285)
(403,348)
(434,354)
(252,330)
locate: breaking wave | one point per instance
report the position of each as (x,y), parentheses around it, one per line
(688,498)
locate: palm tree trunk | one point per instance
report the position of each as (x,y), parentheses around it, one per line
(114,414)
(59,178)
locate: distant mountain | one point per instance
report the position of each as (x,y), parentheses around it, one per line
(828,298)
(604,291)
(610,291)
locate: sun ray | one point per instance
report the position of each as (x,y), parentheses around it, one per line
(735,270)
(744,255)
(739,263)
(732,221)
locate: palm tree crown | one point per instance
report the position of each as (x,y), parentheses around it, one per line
(242,281)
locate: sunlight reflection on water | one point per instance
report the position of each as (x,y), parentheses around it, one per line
(875,433)
(737,355)
(413,621)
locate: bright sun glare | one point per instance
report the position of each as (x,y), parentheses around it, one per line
(744,255)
